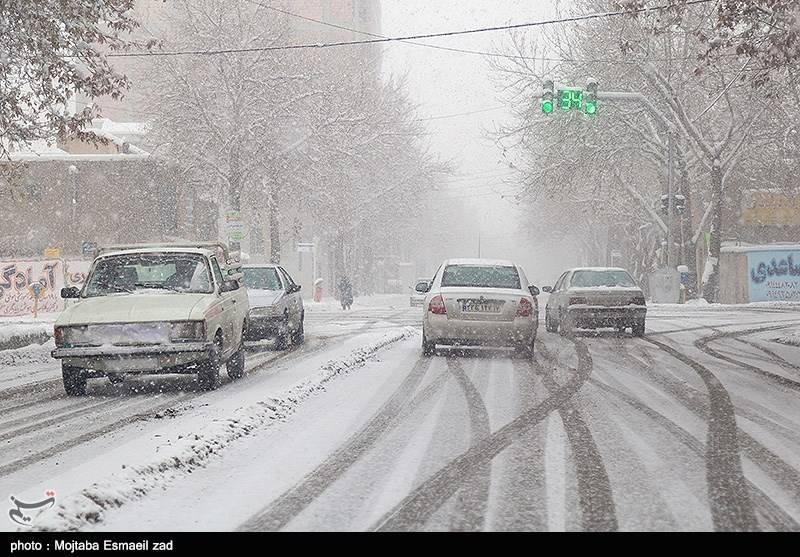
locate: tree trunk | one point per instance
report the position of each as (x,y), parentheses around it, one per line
(688,248)
(274,227)
(711,288)
(234,196)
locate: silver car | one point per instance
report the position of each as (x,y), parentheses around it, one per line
(594,297)
(480,302)
(276,306)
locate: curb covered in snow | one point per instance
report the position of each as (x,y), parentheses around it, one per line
(86,507)
(26,338)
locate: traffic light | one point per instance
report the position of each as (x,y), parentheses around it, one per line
(590,98)
(665,204)
(547,97)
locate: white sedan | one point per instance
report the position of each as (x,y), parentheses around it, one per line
(480,302)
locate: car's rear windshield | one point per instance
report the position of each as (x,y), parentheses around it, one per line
(481,276)
(176,272)
(609,279)
(262,278)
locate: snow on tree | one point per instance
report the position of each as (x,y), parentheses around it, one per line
(51,51)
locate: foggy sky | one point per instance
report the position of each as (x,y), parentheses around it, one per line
(445,83)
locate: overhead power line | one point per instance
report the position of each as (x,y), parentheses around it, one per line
(379,40)
(464,50)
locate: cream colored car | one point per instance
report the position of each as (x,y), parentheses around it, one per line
(154,309)
(480,302)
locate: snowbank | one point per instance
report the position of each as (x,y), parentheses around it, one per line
(85,507)
(16,332)
(790,337)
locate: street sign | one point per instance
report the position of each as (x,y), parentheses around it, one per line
(305,247)
(52,253)
(235,228)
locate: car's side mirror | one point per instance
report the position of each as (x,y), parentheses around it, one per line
(533,290)
(422,288)
(229,286)
(71,292)
(547,289)
(295,288)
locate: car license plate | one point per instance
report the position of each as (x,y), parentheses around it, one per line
(481,306)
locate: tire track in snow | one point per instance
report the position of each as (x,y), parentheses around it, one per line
(104,428)
(429,496)
(293,501)
(595,498)
(695,402)
(778,517)
(703,345)
(472,498)
(731,506)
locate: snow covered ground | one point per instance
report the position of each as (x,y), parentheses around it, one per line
(694,427)
(16,332)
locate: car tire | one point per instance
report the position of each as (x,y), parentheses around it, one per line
(524,351)
(282,337)
(566,327)
(428,348)
(74,380)
(549,325)
(299,336)
(208,370)
(235,364)
(638,329)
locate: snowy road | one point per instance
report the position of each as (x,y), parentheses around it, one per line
(695,427)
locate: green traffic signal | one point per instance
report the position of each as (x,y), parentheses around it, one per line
(547,107)
(590,108)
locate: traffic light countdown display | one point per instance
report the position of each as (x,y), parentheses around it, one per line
(570,98)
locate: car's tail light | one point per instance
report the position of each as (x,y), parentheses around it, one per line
(525,308)
(436,305)
(638,300)
(577,301)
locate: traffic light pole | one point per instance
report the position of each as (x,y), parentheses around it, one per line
(664,121)
(548,107)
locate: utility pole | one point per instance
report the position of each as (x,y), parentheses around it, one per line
(479,244)
(670,205)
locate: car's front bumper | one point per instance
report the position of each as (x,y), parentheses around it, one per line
(606,316)
(260,327)
(149,358)
(441,330)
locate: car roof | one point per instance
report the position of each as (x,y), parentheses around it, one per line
(485,262)
(261,266)
(597,269)
(157,249)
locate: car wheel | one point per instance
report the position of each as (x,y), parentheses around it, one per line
(282,338)
(428,348)
(236,364)
(565,326)
(208,371)
(638,329)
(550,325)
(74,380)
(299,336)
(524,351)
